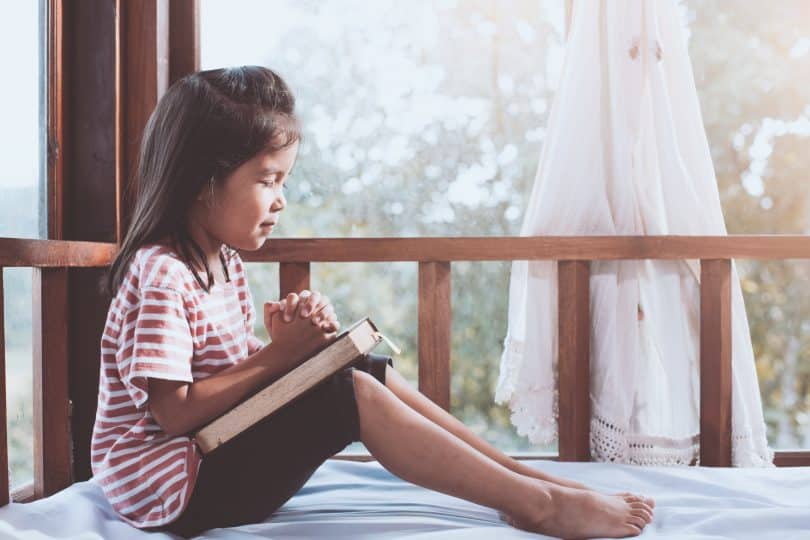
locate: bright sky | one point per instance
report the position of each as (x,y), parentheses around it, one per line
(19,96)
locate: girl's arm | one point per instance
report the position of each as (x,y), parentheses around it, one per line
(180,407)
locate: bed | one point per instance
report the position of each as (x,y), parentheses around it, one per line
(356,500)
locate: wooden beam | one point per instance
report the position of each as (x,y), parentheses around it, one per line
(715,363)
(92,176)
(488,248)
(119,138)
(293,278)
(24,493)
(435,321)
(52,434)
(24,252)
(88,192)
(184,38)
(54,253)
(573,364)
(144,68)
(56,148)
(794,458)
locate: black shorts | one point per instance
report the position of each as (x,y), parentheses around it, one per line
(251,476)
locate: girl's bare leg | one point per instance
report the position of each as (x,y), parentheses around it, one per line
(421,404)
(419,451)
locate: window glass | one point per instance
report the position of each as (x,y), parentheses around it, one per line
(23,211)
(427,118)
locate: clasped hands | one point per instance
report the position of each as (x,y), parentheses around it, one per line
(307,305)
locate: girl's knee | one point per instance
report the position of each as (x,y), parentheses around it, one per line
(366,386)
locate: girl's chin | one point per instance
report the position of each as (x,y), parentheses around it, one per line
(259,242)
(251,244)
(263,238)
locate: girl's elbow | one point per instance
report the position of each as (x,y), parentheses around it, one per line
(167,406)
(161,420)
(169,421)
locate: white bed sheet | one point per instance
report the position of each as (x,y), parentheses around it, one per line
(363,501)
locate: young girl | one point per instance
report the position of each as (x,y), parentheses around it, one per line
(178,348)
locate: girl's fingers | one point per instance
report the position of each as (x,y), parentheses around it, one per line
(330,326)
(269,309)
(290,306)
(322,314)
(329,322)
(318,304)
(313,299)
(310,304)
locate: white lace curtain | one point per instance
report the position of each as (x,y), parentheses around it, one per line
(626,154)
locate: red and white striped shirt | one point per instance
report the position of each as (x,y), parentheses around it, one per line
(161,324)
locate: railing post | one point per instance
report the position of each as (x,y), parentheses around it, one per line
(293,277)
(4,487)
(715,362)
(53,446)
(573,364)
(52,434)
(435,320)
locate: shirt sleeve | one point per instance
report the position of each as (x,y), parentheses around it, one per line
(156,342)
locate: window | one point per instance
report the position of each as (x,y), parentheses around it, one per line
(427,118)
(23,210)
(750,66)
(406,136)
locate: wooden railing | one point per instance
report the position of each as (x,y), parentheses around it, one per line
(50,259)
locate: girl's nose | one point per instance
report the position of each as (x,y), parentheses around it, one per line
(279,203)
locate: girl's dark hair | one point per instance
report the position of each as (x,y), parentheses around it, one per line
(206,125)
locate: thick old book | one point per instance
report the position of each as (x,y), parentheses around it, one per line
(356,340)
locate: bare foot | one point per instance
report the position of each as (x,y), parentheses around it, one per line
(576,513)
(539,475)
(650,502)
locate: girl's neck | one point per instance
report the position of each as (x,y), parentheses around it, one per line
(213,255)
(211,246)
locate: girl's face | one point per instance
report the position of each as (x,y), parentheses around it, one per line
(246,205)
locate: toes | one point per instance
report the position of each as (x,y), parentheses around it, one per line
(632,530)
(643,514)
(636,522)
(647,500)
(640,504)
(633,497)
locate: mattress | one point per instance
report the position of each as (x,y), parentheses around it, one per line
(364,501)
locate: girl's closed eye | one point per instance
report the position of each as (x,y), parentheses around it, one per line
(272,182)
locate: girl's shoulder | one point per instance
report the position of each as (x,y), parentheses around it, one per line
(159,266)
(152,266)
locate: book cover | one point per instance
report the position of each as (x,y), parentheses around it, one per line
(358,339)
